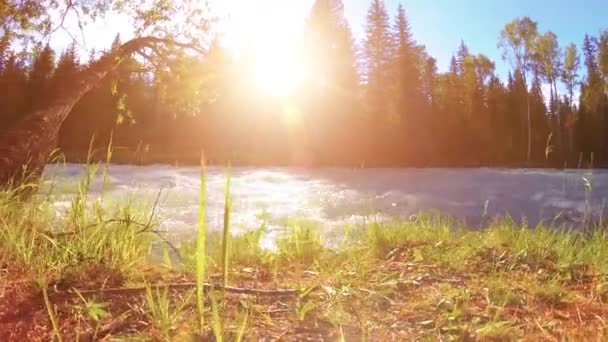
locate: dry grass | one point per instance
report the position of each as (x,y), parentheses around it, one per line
(393,281)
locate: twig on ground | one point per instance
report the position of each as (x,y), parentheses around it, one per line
(183,286)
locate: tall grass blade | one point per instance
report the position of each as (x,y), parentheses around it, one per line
(90,151)
(241,333)
(105,175)
(201,253)
(217,322)
(226,235)
(51,312)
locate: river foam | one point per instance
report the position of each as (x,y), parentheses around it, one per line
(346,196)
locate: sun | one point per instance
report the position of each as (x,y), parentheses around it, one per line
(268,30)
(277,72)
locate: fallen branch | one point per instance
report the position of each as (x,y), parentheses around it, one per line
(184,286)
(107,329)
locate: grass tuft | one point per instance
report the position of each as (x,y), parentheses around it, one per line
(428,278)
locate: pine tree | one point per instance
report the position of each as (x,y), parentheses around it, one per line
(591,90)
(39,80)
(455,93)
(602,58)
(330,43)
(519,123)
(429,82)
(592,94)
(450,116)
(67,66)
(471,89)
(348,73)
(13,81)
(332,87)
(406,69)
(462,53)
(497,107)
(378,51)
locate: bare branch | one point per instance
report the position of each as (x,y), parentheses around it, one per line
(80,27)
(148,59)
(185,286)
(69,6)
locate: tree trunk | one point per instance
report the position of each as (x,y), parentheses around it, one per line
(525,79)
(529,155)
(26,146)
(561,152)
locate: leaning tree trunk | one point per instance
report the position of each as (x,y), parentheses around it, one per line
(26,146)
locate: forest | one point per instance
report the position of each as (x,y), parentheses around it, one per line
(322,250)
(381,102)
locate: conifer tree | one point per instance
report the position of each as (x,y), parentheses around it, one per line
(67,66)
(13,82)
(498,110)
(407,74)
(429,83)
(456,101)
(378,52)
(519,121)
(602,59)
(330,43)
(592,97)
(39,78)
(462,53)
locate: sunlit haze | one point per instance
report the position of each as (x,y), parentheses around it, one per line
(439,25)
(268,32)
(383,170)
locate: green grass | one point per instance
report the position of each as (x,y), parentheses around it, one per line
(226,231)
(117,237)
(201,251)
(162,313)
(92,312)
(301,242)
(427,278)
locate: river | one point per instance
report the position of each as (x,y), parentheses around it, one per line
(334,197)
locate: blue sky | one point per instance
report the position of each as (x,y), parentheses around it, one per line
(437,24)
(441,24)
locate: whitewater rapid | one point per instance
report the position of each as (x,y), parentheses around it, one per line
(334,197)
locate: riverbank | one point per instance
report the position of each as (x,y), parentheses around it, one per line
(92,275)
(144,155)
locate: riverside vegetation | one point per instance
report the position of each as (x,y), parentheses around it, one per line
(103,271)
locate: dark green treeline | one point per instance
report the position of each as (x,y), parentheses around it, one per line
(381,103)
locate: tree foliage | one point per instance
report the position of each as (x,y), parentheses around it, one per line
(383,102)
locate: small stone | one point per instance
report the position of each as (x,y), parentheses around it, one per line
(329,290)
(428,324)
(248,270)
(311,273)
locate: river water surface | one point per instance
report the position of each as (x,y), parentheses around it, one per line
(335,197)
